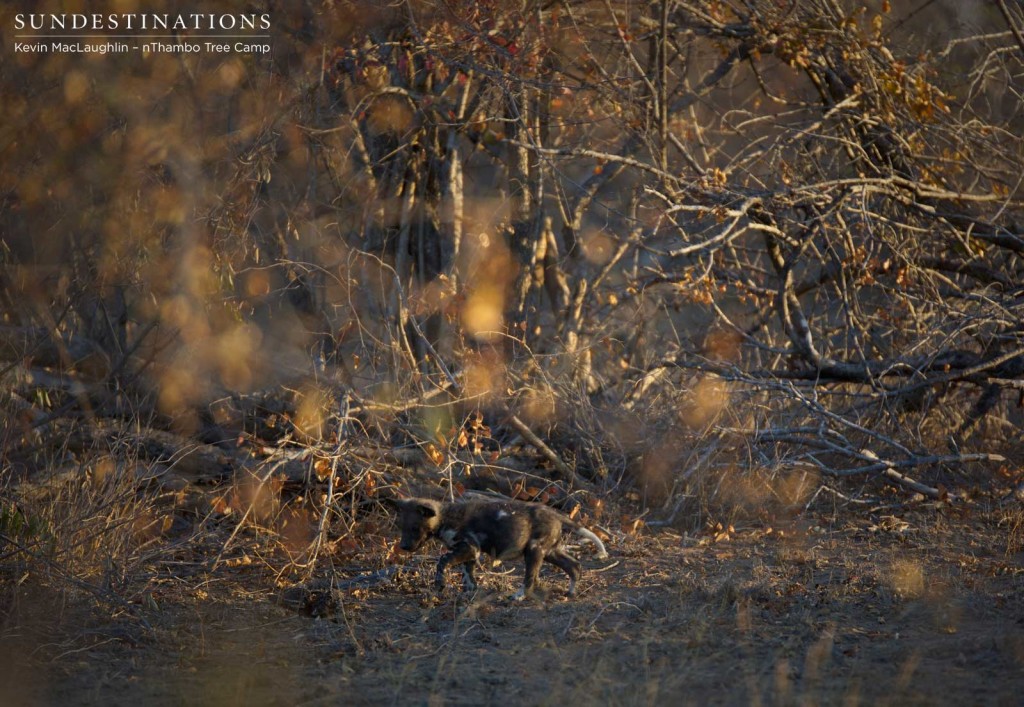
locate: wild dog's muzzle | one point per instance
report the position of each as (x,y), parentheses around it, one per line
(411,544)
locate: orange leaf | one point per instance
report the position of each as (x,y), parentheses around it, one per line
(238,561)
(434,454)
(323,469)
(220,505)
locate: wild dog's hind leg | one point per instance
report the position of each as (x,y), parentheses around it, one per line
(567,563)
(464,553)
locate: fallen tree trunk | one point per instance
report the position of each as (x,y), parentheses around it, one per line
(50,349)
(202,463)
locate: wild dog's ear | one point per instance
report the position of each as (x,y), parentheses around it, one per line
(426,510)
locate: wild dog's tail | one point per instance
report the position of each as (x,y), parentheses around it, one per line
(602,553)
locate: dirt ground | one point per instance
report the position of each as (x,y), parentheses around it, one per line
(921,609)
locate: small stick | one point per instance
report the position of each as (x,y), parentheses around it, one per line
(533,439)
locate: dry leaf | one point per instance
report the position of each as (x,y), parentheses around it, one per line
(434,454)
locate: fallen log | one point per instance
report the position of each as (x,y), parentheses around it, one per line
(198,462)
(51,349)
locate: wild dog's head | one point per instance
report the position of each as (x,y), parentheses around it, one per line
(419,518)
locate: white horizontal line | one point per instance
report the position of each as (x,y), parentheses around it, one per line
(147,36)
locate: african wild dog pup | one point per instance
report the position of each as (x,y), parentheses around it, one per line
(502,530)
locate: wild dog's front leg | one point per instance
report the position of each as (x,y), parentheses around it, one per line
(464,553)
(468,581)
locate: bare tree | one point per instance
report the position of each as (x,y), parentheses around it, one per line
(660,241)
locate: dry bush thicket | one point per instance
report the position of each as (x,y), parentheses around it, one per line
(714,258)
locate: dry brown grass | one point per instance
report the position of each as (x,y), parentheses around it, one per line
(841,613)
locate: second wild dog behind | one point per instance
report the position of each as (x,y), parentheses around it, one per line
(503,530)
